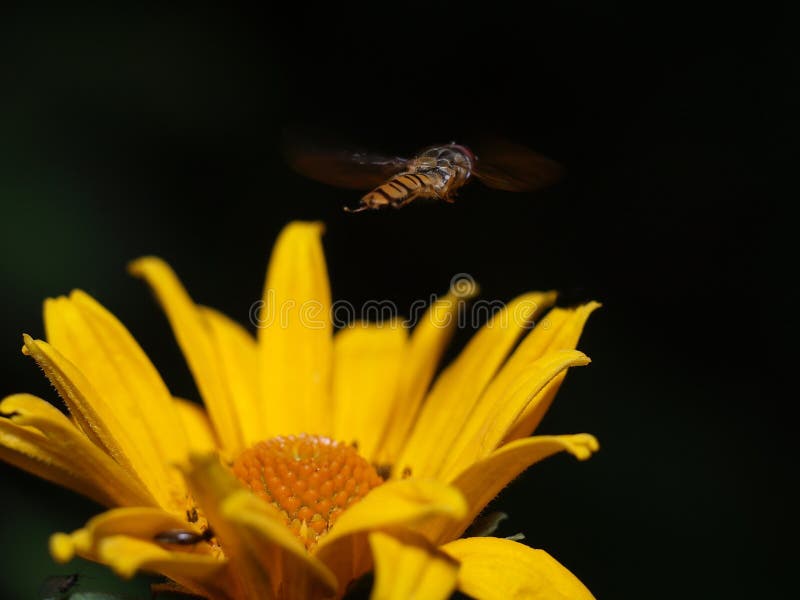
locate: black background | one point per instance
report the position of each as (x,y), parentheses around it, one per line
(128,131)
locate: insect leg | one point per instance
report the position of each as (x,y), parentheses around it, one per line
(361,208)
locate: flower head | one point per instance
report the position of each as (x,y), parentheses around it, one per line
(317,457)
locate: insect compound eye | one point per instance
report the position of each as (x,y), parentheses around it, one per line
(427,162)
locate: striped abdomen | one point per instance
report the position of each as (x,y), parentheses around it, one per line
(403,188)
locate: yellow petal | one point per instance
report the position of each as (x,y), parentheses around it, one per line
(237,356)
(366,369)
(197,426)
(566,333)
(500,406)
(499,569)
(124,439)
(211,484)
(118,368)
(91,414)
(200,573)
(198,568)
(409,505)
(405,503)
(424,351)
(483,480)
(295,335)
(268,539)
(538,340)
(139,522)
(455,393)
(64,441)
(23,448)
(198,345)
(62,547)
(404,570)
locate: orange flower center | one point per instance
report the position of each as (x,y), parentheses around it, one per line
(310,479)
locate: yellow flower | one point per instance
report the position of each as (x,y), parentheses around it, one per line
(318,457)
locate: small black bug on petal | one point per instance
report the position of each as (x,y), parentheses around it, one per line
(183,537)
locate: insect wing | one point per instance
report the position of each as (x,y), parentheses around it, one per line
(514,168)
(343,168)
(485,525)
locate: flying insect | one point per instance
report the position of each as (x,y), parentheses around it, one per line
(435,172)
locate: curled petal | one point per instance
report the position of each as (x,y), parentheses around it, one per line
(499,569)
(482,481)
(95,341)
(143,523)
(267,538)
(501,405)
(96,418)
(408,570)
(407,505)
(200,573)
(113,428)
(566,327)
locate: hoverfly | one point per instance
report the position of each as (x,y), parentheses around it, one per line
(436,172)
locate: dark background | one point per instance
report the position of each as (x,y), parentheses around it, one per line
(126,131)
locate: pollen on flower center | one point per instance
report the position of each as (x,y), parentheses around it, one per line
(310,479)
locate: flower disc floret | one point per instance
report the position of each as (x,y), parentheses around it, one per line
(310,479)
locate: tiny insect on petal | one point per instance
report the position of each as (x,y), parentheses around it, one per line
(182,537)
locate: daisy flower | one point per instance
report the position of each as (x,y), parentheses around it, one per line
(317,457)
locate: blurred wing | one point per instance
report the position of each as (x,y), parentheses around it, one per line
(514,168)
(343,168)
